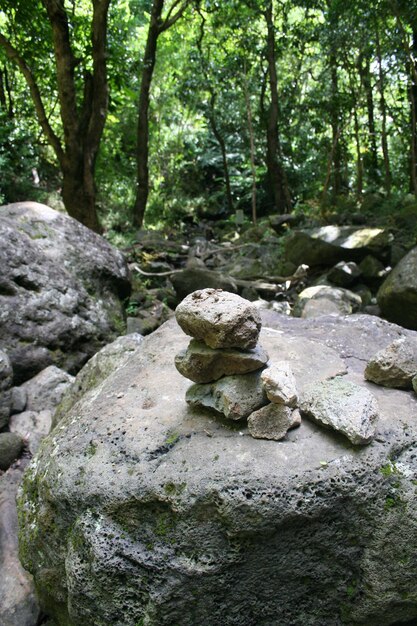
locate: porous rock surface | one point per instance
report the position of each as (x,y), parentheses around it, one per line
(220,319)
(273,421)
(140,509)
(202,364)
(395,365)
(96,370)
(344,406)
(61,290)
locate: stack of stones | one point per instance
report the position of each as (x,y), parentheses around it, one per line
(228,366)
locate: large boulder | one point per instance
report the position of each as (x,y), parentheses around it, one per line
(192,278)
(326,245)
(139,509)
(325,300)
(61,289)
(397,296)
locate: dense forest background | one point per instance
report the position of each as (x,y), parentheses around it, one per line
(139,111)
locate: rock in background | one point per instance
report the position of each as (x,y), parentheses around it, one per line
(61,290)
(137,505)
(326,245)
(19,605)
(397,296)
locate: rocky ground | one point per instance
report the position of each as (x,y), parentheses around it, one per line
(63,292)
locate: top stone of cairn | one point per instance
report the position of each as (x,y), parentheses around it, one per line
(220,319)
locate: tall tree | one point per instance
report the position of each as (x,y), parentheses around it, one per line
(158,24)
(81,83)
(211,112)
(276,174)
(383,108)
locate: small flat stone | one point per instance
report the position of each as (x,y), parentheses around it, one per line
(279,382)
(220,319)
(202,364)
(343,406)
(273,421)
(394,366)
(235,397)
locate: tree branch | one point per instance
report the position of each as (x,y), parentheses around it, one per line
(172,17)
(15,57)
(65,65)
(99,85)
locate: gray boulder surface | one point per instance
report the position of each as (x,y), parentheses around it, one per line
(96,370)
(61,290)
(45,390)
(397,296)
(395,365)
(344,406)
(324,300)
(141,509)
(202,364)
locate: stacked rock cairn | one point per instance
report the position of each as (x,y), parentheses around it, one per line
(229,368)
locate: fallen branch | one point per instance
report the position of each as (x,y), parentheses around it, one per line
(140,271)
(274,283)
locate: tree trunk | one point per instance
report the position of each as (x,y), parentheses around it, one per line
(365,74)
(142,145)
(222,146)
(249,118)
(413,114)
(336,157)
(359,163)
(212,117)
(82,124)
(384,139)
(78,193)
(276,174)
(6,99)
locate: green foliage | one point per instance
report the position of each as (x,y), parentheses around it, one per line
(328,80)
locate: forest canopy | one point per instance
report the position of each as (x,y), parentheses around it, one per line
(164,111)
